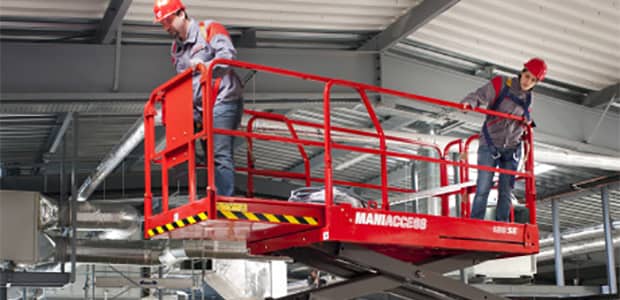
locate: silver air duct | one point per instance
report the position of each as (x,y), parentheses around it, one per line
(130,140)
(151,252)
(578,234)
(97,220)
(577,248)
(48,212)
(109,221)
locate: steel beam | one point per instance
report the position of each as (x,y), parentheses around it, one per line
(579,188)
(417,293)
(406,24)
(557,246)
(112,19)
(58,133)
(600,120)
(458,262)
(612,282)
(73,199)
(247,39)
(322,258)
(146,283)
(367,272)
(117,59)
(411,274)
(350,289)
(133,103)
(539,290)
(354,288)
(603,96)
(138,73)
(551,114)
(469,65)
(33,279)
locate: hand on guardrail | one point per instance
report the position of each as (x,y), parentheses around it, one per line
(465,107)
(463,156)
(195,61)
(529,123)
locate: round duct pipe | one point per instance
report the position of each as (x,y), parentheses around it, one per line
(109,221)
(578,234)
(151,252)
(576,248)
(100,220)
(130,140)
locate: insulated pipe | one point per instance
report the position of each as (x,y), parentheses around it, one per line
(113,221)
(577,248)
(570,236)
(109,220)
(151,252)
(130,140)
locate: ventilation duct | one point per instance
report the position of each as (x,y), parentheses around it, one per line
(150,252)
(133,137)
(577,248)
(578,234)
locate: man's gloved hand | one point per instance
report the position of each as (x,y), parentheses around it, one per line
(195,61)
(529,123)
(465,107)
(463,156)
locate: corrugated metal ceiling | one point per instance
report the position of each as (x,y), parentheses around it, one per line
(23,137)
(578,39)
(90,9)
(336,15)
(337,24)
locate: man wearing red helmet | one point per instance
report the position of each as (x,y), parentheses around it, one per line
(201,42)
(500,138)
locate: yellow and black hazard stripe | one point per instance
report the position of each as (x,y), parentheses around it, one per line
(234,215)
(178,224)
(266,217)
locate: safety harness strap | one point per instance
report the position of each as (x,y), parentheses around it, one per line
(505,92)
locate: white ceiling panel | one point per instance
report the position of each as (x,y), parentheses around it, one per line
(580,40)
(90,9)
(337,15)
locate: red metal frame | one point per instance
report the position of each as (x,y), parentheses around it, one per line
(270,225)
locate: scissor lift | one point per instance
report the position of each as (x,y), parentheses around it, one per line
(375,248)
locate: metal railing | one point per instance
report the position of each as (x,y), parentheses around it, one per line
(175,99)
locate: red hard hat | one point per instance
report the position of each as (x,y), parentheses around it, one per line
(164,8)
(537,67)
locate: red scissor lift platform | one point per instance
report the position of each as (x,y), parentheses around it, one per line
(375,248)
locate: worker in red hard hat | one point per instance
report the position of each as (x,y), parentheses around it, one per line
(500,138)
(201,42)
